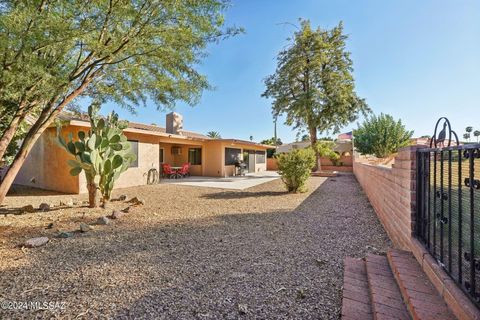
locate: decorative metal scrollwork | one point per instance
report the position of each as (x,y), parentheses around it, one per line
(439,141)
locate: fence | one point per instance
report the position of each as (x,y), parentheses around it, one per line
(448,222)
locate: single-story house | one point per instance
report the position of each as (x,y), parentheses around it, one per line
(46,166)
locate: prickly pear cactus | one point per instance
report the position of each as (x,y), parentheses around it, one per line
(103,153)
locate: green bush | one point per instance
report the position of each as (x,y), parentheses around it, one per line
(381,136)
(325,150)
(295,168)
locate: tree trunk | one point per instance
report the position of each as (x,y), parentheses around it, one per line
(12,171)
(313,141)
(10,133)
(92,194)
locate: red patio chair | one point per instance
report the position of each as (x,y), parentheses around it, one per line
(168,171)
(185,170)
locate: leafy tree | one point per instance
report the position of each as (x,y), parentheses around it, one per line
(305,138)
(213,134)
(468,133)
(325,150)
(381,136)
(271,142)
(295,168)
(313,83)
(476,134)
(127,52)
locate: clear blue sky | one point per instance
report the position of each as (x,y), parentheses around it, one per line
(416,60)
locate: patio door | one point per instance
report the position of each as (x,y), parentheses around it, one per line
(249,160)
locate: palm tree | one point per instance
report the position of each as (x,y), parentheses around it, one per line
(466,136)
(476,134)
(213,134)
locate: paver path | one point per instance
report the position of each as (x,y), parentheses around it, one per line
(210,254)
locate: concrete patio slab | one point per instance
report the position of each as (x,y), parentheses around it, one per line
(234,183)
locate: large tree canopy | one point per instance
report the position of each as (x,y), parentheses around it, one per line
(126,51)
(313,85)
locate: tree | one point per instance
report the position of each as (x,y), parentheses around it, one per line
(476,134)
(325,150)
(271,142)
(127,52)
(305,138)
(213,134)
(251,138)
(469,131)
(313,83)
(381,136)
(466,136)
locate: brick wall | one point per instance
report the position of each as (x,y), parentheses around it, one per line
(391,191)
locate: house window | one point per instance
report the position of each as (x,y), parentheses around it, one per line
(260,157)
(160,155)
(134,145)
(232,156)
(195,156)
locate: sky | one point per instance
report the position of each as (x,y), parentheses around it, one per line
(415,60)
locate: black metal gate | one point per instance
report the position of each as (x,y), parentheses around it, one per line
(448,207)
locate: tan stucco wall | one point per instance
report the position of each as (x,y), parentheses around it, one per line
(46,165)
(148,158)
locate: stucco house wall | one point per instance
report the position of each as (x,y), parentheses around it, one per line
(46,167)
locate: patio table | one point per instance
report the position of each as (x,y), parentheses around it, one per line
(177,175)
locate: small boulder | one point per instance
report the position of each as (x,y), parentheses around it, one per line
(68,203)
(242,308)
(50,225)
(85,227)
(44,206)
(28,208)
(136,201)
(64,235)
(122,197)
(127,209)
(103,221)
(36,242)
(117,214)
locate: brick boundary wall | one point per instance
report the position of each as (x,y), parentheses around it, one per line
(391,191)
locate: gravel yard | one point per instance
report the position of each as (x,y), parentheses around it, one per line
(191,253)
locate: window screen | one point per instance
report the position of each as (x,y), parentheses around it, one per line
(232,156)
(195,156)
(260,157)
(134,144)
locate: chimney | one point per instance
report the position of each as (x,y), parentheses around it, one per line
(174,123)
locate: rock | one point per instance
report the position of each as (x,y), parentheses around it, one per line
(65,235)
(50,226)
(36,242)
(117,214)
(301,294)
(122,197)
(127,210)
(85,227)
(136,201)
(44,206)
(242,308)
(28,208)
(68,203)
(103,221)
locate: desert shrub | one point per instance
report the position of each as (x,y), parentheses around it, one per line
(381,136)
(325,150)
(295,168)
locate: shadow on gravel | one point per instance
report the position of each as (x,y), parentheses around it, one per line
(281,264)
(242,194)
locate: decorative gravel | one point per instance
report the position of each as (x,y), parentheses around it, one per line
(190,253)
